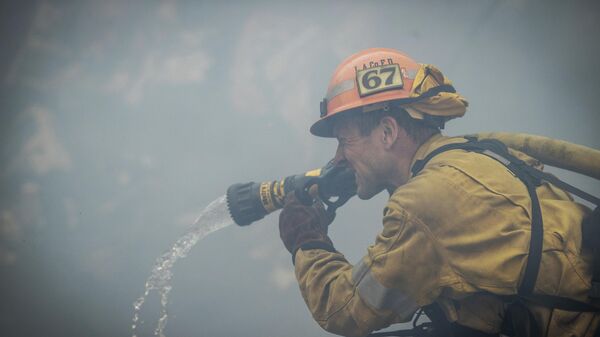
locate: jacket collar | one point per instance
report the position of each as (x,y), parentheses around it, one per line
(430,145)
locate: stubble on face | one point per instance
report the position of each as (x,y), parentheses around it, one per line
(362,154)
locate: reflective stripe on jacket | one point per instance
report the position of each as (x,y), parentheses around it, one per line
(457,234)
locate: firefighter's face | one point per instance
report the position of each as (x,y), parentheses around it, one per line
(362,153)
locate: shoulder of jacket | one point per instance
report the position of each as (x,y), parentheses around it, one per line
(422,192)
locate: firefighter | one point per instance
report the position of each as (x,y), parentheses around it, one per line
(457,228)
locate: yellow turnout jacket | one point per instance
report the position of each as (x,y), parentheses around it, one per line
(456,234)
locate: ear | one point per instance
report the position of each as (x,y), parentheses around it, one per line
(390,129)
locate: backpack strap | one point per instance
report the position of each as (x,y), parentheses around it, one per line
(531,178)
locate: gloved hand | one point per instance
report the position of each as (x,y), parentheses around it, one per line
(303,226)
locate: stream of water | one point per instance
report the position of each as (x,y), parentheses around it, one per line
(214,217)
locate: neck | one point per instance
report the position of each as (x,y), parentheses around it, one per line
(404,154)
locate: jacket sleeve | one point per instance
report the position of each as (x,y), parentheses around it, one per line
(398,274)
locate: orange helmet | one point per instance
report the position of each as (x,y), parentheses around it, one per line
(372,79)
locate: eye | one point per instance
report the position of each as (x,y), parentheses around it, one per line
(349,141)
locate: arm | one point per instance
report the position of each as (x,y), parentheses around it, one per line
(398,275)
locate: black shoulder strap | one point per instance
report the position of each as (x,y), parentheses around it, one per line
(471,144)
(532,178)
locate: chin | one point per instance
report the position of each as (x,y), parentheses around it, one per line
(366,190)
(366,195)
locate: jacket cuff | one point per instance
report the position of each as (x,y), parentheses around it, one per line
(313,245)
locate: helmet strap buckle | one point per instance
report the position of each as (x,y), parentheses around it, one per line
(323,107)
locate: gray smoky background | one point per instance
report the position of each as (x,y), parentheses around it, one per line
(121,120)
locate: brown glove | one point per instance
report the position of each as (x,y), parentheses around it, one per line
(303,226)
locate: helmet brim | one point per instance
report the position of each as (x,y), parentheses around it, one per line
(323,127)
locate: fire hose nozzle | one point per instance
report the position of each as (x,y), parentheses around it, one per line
(333,184)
